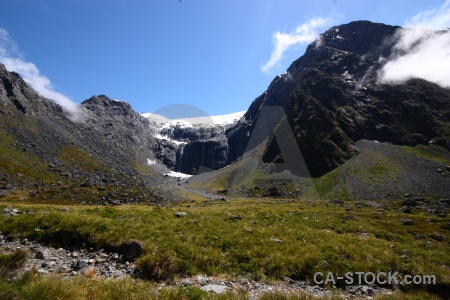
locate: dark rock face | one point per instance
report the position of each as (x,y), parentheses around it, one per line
(193,134)
(15,92)
(332,99)
(210,154)
(330,95)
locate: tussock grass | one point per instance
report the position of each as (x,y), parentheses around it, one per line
(10,263)
(314,238)
(82,288)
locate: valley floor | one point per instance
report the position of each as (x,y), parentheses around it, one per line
(246,248)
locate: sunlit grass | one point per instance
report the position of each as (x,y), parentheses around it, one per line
(314,237)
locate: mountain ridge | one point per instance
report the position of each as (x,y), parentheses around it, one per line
(331,98)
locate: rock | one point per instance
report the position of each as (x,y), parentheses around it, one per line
(236,217)
(437,237)
(187,282)
(53,258)
(132,249)
(368,291)
(372,204)
(87,183)
(448,168)
(439,170)
(440,212)
(407,221)
(444,202)
(81,263)
(349,218)
(406,209)
(180,214)
(273,191)
(410,202)
(276,240)
(288,280)
(65,208)
(216,288)
(42,254)
(336,201)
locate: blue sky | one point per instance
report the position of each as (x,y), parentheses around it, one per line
(213,54)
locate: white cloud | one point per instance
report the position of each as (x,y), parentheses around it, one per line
(421,51)
(303,34)
(13,61)
(437,19)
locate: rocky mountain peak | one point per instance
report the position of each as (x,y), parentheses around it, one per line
(15,93)
(359,37)
(332,99)
(102,104)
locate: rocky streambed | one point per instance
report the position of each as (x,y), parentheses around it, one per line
(70,262)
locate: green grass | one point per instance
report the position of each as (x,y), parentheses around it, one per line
(13,162)
(35,287)
(9,263)
(80,159)
(78,288)
(206,241)
(434,153)
(315,238)
(328,182)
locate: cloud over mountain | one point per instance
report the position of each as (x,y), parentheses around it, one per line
(13,60)
(422,49)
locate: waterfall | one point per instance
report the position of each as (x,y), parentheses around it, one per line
(203,156)
(180,157)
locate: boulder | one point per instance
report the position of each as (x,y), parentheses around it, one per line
(132,249)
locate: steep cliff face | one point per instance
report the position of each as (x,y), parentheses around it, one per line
(49,155)
(330,95)
(332,99)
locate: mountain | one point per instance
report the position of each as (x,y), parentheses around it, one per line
(205,135)
(46,155)
(339,123)
(332,100)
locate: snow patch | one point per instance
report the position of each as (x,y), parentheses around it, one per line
(162,137)
(151,162)
(228,119)
(208,121)
(178,174)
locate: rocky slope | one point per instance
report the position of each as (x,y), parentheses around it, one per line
(48,156)
(332,99)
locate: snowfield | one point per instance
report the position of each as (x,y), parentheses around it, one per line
(206,121)
(164,125)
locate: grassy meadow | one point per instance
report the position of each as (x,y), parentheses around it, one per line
(259,239)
